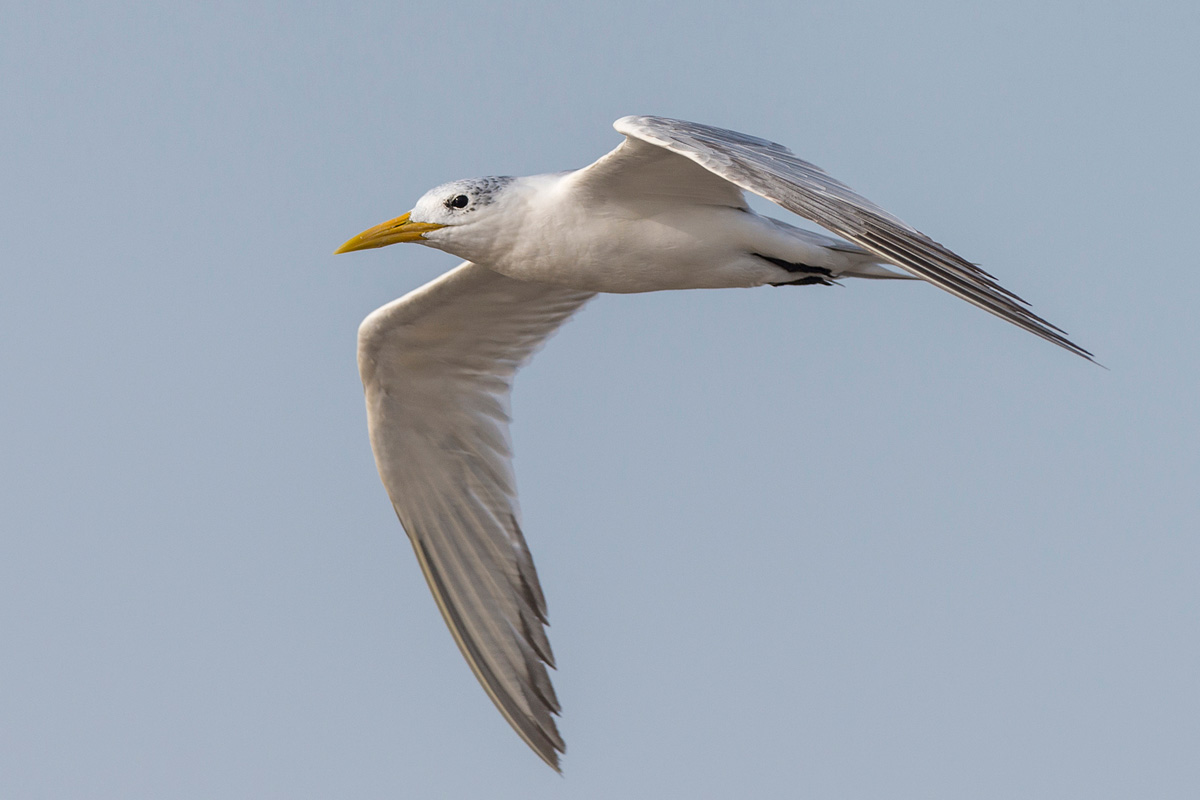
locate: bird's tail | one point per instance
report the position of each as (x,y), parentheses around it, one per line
(875,271)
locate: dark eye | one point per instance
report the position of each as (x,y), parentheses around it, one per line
(458,202)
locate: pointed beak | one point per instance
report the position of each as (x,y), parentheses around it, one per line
(393,231)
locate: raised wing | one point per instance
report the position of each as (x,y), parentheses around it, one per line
(774,172)
(437,367)
(638,172)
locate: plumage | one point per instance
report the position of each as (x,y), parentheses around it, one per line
(664,210)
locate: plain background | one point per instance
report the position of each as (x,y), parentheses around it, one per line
(807,542)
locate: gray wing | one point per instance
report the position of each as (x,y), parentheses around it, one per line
(774,172)
(437,366)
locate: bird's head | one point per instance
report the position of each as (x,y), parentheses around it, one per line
(448,217)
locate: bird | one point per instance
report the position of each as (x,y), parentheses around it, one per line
(665,210)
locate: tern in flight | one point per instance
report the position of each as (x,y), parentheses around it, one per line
(665,210)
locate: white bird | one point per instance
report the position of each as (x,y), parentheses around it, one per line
(664,210)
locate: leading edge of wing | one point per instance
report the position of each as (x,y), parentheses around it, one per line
(772,171)
(437,367)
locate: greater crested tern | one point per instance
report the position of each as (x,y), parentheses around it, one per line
(664,210)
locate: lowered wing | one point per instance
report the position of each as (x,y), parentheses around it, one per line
(437,367)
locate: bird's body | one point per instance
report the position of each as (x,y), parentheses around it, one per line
(665,210)
(554,234)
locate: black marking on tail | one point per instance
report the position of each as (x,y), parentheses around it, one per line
(812,275)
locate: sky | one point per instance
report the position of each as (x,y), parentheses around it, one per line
(859,541)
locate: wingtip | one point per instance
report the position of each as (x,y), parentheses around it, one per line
(553,762)
(549,751)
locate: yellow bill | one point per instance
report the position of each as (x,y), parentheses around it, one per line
(393,231)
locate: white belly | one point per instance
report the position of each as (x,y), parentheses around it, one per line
(696,247)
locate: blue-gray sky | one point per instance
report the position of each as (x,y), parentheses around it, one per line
(814,542)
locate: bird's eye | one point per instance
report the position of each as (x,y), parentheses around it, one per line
(459,201)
